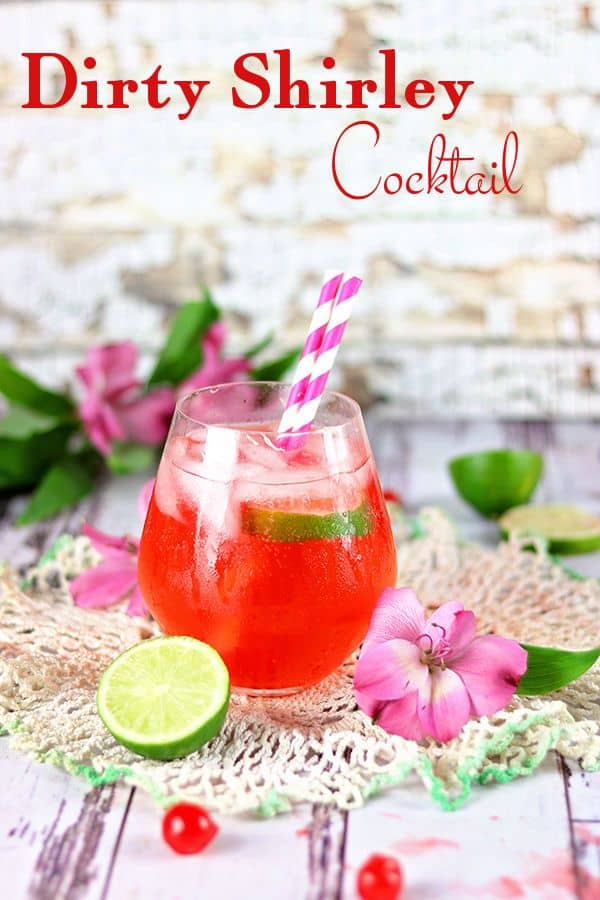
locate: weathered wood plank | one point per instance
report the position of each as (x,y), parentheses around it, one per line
(572,473)
(412,459)
(584,792)
(587,854)
(57,835)
(584,834)
(327,849)
(250,858)
(508,841)
(60,836)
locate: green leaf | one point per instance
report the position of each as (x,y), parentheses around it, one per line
(572,573)
(549,669)
(259,346)
(20,422)
(24,458)
(182,352)
(131,457)
(276,368)
(21,389)
(64,484)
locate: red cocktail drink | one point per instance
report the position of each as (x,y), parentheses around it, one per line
(276,558)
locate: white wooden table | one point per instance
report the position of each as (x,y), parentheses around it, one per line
(538,837)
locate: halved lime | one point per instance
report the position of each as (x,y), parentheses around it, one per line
(567,528)
(288,527)
(495,480)
(164,697)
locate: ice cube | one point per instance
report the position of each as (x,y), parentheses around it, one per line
(178,475)
(196,473)
(220,454)
(165,491)
(261,460)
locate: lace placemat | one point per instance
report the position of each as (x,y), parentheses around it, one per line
(316,746)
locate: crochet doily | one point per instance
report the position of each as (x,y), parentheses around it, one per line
(315,746)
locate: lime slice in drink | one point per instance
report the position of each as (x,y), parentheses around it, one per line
(496,480)
(164,697)
(288,527)
(568,529)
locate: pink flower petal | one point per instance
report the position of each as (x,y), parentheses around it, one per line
(108,373)
(136,605)
(462,632)
(401,717)
(98,437)
(398,614)
(100,422)
(103,585)
(388,671)
(109,369)
(232,369)
(443,713)
(215,369)
(85,375)
(109,421)
(452,627)
(367,702)
(490,669)
(111,546)
(215,372)
(144,498)
(146,419)
(215,337)
(394,716)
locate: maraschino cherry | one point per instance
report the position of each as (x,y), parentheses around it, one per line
(379,878)
(188,828)
(391,496)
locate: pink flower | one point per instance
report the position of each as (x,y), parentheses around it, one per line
(113,579)
(420,678)
(113,407)
(215,369)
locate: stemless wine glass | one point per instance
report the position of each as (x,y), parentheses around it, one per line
(274,557)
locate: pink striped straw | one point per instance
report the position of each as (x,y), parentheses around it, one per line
(295,434)
(310,351)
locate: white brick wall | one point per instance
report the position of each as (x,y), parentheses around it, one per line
(109,217)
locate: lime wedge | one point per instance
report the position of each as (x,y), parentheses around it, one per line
(568,529)
(164,697)
(493,481)
(287,527)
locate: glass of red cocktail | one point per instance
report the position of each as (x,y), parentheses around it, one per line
(274,557)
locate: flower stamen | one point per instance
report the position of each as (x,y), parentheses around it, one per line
(429,638)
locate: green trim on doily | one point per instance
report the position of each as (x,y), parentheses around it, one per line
(466,774)
(390,779)
(415,528)
(94,777)
(542,544)
(571,573)
(275,803)
(63,540)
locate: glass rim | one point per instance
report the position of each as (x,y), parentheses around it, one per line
(355,412)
